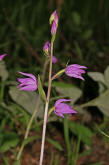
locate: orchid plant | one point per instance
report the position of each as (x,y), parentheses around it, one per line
(31,83)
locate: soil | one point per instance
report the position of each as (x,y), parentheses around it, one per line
(99,151)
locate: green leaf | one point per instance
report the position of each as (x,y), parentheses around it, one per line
(56,161)
(102,88)
(27,100)
(60,84)
(6,160)
(76,18)
(82,131)
(55,144)
(9,140)
(17,162)
(87,34)
(78,50)
(40,89)
(106,76)
(3,71)
(68,90)
(98,163)
(97,76)
(102,102)
(102,132)
(30,139)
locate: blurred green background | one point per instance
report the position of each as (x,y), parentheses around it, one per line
(82,34)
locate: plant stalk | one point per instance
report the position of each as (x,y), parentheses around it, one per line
(46,107)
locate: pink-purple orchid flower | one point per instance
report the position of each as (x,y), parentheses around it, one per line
(75,71)
(61,108)
(2,56)
(27,84)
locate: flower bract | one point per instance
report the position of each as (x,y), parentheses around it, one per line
(28,84)
(75,71)
(61,108)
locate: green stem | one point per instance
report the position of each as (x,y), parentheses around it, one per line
(58,74)
(50,111)
(77,149)
(2,90)
(67,140)
(93,102)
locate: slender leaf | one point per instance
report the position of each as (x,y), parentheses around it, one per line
(40,88)
(55,144)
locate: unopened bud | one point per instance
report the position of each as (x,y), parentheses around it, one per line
(46,48)
(54,17)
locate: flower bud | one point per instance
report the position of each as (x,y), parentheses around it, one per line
(54,17)
(46,48)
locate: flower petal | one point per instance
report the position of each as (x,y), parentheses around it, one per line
(27,88)
(78,66)
(61,100)
(53,28)
(29,75)
(75,76)
(26,81)
(64,109)
(59,114)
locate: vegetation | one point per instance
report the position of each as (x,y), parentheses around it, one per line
(83,38)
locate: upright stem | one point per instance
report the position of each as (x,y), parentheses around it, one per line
(46,107)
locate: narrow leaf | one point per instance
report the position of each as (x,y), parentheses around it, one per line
(55,144)
(30,139)
(40,89)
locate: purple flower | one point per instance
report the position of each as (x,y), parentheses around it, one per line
(54,17)
(53,28)
(61,108)
(75,71)
(46,47)
(54,60)
(28,84)
(2,56)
